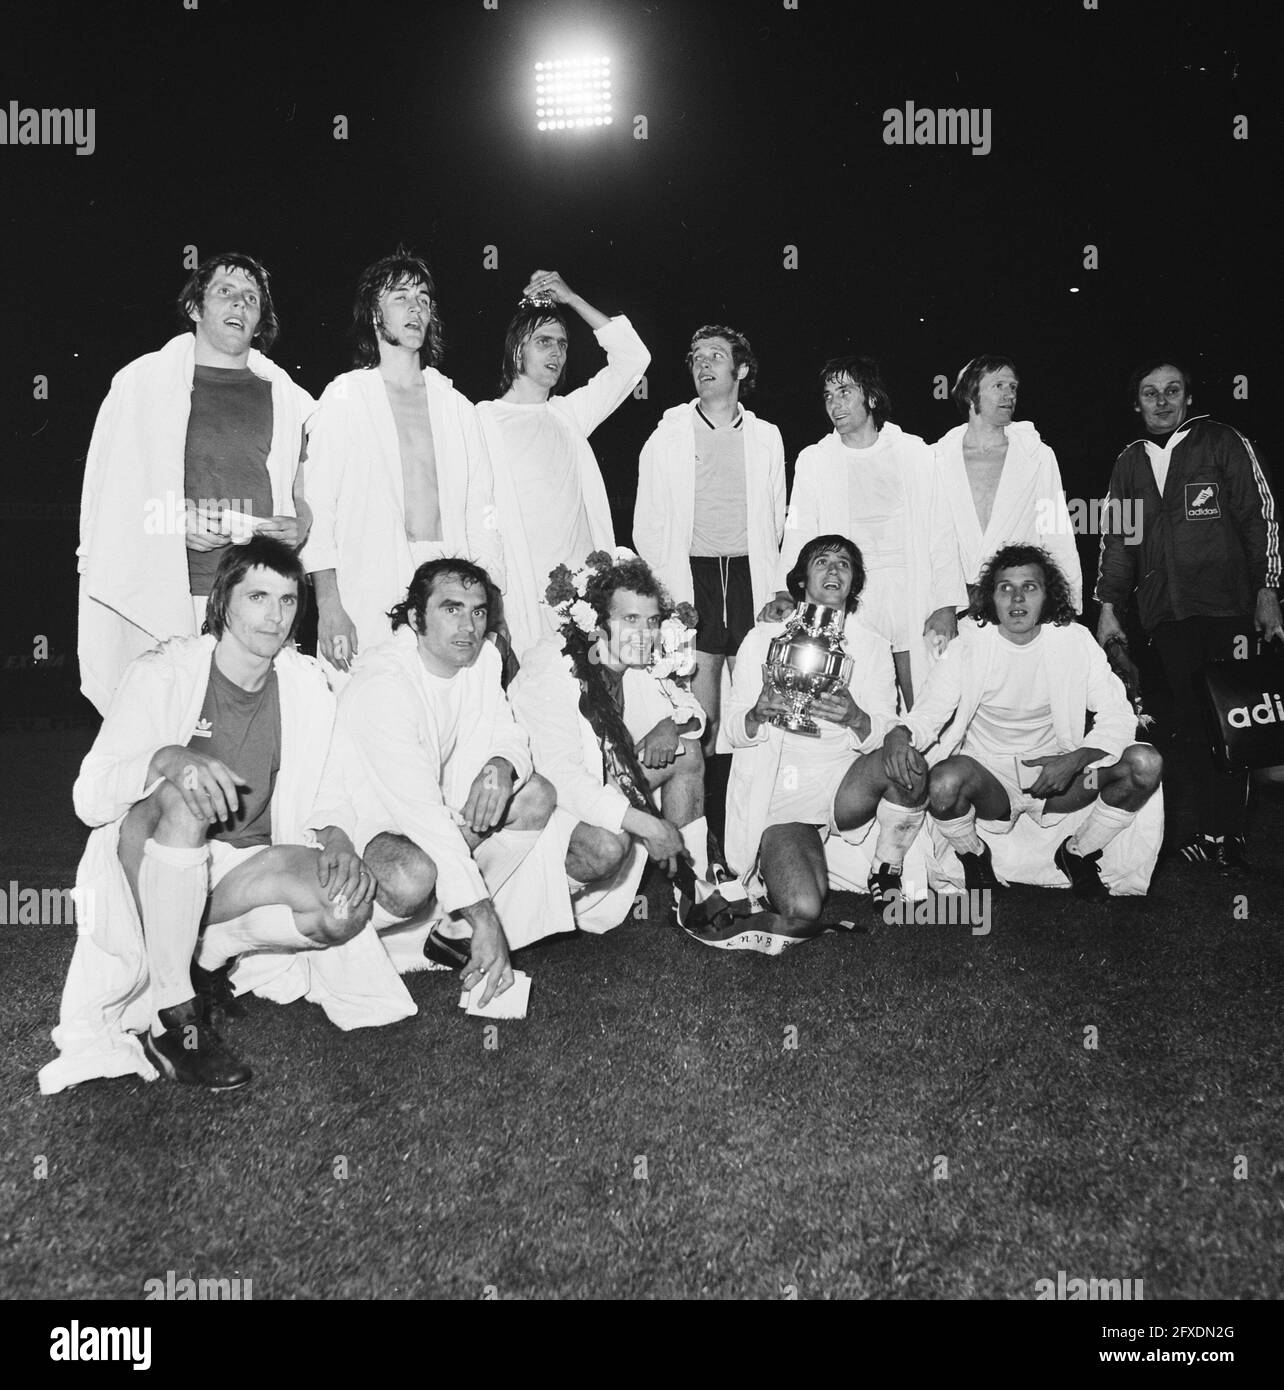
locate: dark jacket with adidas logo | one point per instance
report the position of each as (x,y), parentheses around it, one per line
(1207,545)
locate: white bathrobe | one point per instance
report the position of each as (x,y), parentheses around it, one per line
(821,504)
(546,696)
(132,555)
(1079,680)
(582,411)
(755,762)
(107,997)
(391,763)
(1029,506)
(355,487)
(664,515)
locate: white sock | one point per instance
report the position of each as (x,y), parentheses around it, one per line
(500,856)
(269,928)
(1104,822)
(696,839)
(173,887)
(897,827)
(961,832)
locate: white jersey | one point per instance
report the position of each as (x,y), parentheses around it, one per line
(1014,717)
(876,521)
(546,478)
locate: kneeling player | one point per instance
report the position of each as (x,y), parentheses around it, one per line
(789,792)
(609,732)
(203,783)
(450,814)
(1014,693)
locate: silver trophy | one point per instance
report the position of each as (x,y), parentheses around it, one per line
(807,660)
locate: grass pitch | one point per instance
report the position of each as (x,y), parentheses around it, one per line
(911,1113)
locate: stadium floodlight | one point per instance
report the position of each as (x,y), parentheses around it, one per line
(573,93)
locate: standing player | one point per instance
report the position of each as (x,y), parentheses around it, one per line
(884,488)
(1002,481)
(710,507)
(195,446)
(397,473)
(553,508)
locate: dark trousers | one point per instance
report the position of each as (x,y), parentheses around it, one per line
(1184,648)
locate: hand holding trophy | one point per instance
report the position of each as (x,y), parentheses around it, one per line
(805,661)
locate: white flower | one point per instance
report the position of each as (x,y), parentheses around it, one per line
(678,644)
(622,553)
(684,662)
(583,616)
(581,581)
(673,633)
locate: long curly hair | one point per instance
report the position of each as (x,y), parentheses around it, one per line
(596,704)
(401,268)
(1058,607)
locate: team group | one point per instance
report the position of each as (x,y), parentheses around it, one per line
(504,725)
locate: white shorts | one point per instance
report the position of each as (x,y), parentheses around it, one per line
(805,789)
(224,858)
(1014,778)
(882,607)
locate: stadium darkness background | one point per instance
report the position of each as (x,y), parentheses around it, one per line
(214,128)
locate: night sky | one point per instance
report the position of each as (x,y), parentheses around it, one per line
(214,127)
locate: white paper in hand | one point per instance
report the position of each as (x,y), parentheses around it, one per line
(511,1004)
(238,525)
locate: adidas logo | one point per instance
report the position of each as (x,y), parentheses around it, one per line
(203,729)
(1241,717)
(1201,501)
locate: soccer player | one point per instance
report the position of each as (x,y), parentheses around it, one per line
(790,792)
(195,447)
(1005,717)
(553,508)
(397,473)
(205,786)
(1002,482)
(450,813)
(884,488)
(610,734)
(1205,578)
(710,508)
